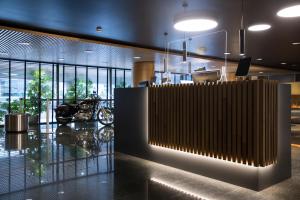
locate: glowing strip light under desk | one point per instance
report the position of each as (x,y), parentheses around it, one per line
(179,189)
(184,153)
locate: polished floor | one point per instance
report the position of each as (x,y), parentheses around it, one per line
(108,175)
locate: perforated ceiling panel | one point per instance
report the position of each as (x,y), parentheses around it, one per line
(49,48)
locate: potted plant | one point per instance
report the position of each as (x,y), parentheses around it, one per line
(32,100)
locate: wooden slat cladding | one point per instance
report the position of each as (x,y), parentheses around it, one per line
(236,121)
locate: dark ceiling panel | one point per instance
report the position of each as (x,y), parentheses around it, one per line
(143,22)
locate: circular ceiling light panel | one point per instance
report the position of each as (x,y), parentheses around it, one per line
(195,25)
(292,11)
(194,21)
(259,27)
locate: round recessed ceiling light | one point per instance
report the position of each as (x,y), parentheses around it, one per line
(283,63)
(296,43)
(88,51)
(261,72)
(292,11)
(24,43)
(226,53)
(61,59)
(194,25)
(137,57)
(259,59)
(259,27)
(194,21)
(3,54)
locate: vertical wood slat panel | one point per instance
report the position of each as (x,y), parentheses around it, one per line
(244,109)
(256,118)
(206,118)
(239,122)
(215,120)
(201,91)
(250,123)
(224,120)
(229,120)
(234,122)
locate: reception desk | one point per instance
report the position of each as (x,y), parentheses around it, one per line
(236,132)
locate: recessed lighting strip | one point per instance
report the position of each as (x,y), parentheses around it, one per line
(179,189)
(184,153)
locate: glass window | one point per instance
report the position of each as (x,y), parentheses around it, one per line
(4,89)
(120,82)
(32,91)
(46,91)
(81,87)
(112,83)
(92,80)
(128,78)
(158,78)
(102,83)
(69,84)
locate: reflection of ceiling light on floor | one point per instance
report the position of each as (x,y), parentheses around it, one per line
(226,53)
(177,188)
(296,43)
(82,173)
(61,59)
(88,51)
(137,57)
(259,59)
(60,192)
(283,63)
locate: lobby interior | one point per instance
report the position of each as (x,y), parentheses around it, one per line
(149,99)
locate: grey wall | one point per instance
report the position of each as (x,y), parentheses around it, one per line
(131,130)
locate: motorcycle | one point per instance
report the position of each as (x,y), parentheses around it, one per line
(85,111)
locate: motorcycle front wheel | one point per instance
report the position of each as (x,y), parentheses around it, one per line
(105,116)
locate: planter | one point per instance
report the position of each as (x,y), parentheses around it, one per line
(16,122)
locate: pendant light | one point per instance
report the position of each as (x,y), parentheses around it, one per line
(184,51)
(190,63)
(242,33)
(165,60)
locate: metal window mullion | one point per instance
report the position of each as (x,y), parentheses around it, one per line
(97,80)
(75,82)
(40,93)
(25,88)
(63,83)
(9,85)
(124,79)
(86,81)
(52,93)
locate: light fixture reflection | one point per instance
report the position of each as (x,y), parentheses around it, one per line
(179,189)
(249,165)
(194,25)
(259,27)
(292,11)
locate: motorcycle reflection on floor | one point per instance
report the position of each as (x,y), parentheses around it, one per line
(85,111)
(88,138)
